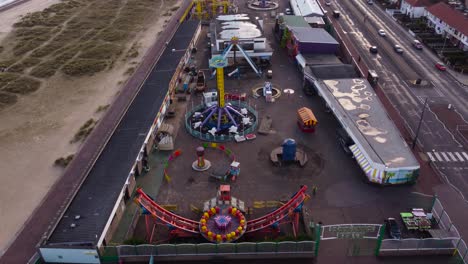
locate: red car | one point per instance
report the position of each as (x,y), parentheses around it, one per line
(440,66)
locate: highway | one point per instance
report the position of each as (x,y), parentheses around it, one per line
(360,23)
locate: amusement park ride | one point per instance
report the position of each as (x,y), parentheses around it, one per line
(224,222)
(216,116)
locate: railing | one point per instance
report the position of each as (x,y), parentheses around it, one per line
(219,138)
(415,246)
(111,253)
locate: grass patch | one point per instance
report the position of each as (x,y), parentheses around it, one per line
(112,35)
(7,99)
(45,69)
(48,49)
(130,71)
(84,131)
(104,51)
(24,64)
(26,46)
(22,85)
(64,161)
(174,8)
(6,77)
(102,108)
(7,63)
(80,67)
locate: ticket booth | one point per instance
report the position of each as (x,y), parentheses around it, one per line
(306,120)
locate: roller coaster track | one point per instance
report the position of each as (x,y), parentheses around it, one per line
(278,214)
(164,215)
(193,226)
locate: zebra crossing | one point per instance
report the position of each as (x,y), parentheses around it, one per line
(448,156)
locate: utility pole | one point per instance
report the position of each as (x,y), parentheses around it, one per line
(419,125)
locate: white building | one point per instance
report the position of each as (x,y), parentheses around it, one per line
(449,22)
(310,10)
(414,8)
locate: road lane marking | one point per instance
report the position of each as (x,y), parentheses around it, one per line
(430,156)
(438,157)
(452,156)
(459,156)
(465,155)
(445,156)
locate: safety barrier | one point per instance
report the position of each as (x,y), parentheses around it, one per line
(219,138)
(227,250)
(415,246)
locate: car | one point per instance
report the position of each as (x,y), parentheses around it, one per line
(373,49)
(288,11)
(370,2)
(398,49)
(382,33)
(328,3)
(440,66)
(417,44)
(393,228)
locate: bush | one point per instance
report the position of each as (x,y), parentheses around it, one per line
(80,67)
(6,77)
(22,85)
(104,51)
(7,99)
(84,131)
(26,63)
(63,162)
(45,70)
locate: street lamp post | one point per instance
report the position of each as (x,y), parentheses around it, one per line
(419,125)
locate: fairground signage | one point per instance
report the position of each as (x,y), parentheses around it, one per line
(350,231)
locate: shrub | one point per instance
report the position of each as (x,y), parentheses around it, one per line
(80,67)
(6,77)
(23,85)
(7,99)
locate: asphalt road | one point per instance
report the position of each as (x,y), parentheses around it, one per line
(44,218)
(361,22)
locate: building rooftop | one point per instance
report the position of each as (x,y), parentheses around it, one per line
(98,194)
(355,103)
(293,21)
(237,25)
(306,8)
(312,35)
(418,3)
(332,71)
(450,16)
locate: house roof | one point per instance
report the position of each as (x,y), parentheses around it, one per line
(451,17)
(418,3)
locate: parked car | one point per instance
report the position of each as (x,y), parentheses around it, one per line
(417,44)
(288,11)
(382,33)
(398,49)
(440,66)
(328,3)
(370,2)
(393,228)
(373,49)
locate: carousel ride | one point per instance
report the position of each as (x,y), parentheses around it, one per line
(262,5)
(218,118)
(225,222)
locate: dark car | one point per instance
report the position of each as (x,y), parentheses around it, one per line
(393,228)
(373,49)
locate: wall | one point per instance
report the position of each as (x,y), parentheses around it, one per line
(413,12)
(56,255)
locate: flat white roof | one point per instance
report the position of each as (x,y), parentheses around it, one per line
(306,8)
(358,108)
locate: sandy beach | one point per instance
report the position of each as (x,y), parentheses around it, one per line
(37,129)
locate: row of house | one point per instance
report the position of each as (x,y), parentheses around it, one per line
(445,20)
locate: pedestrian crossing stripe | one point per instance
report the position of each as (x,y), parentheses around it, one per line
(448,156)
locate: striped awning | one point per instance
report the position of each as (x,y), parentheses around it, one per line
(374,175)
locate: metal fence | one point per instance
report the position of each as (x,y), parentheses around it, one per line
(219,138)
(208,249)
(416,246)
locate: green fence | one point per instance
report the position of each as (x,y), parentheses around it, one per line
(112,253)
